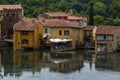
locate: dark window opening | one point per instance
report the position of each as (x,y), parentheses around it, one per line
(25,41)
(60,32)
(16,15)
(46,30)
(7,14)
(104,36)
(24,33)
(66,32)
(13,15)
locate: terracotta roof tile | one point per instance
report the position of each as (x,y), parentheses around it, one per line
(26,24)
(61,23)
(10,7)
(72,17)
(55,14)
(107,29)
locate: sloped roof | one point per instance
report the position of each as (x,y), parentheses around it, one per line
(56,14)
(26,24)
(71,17)
(10,7)
(107,29)
(60,23)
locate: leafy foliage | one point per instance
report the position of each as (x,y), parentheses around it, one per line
(106,10)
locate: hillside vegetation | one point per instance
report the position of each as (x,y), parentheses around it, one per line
(105,12)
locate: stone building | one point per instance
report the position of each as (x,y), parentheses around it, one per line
(107,39)
(27,33)
(64,29)
(9,15)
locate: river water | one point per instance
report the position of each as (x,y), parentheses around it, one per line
(72,65)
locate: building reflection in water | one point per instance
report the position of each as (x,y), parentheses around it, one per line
(15,62)
(64,62)
(108,61)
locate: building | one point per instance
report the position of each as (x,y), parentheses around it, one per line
(64,29)
(107,38)
(66,21)
(64,16)
(28,33)
(89,35)
(79,19)
(54,15)
(9,15)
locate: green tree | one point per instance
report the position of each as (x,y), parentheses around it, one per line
(77,6)
(63,6)
(98,20)
(100,9)
(114,9)
(91,18)
(108,21)
(116,22)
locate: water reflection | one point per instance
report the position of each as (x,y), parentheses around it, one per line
(43,65)
(17,62)
(64,62)
(108,61)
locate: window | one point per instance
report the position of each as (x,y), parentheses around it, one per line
(110,45)
(45,30)
(60,32)
(7,14)
(104,37)
(66,33)
(24,41)
(13,15)
(101,47)
(24,33)
(16,15)
(53,17)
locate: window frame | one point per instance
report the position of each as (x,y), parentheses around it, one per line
(66,32)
